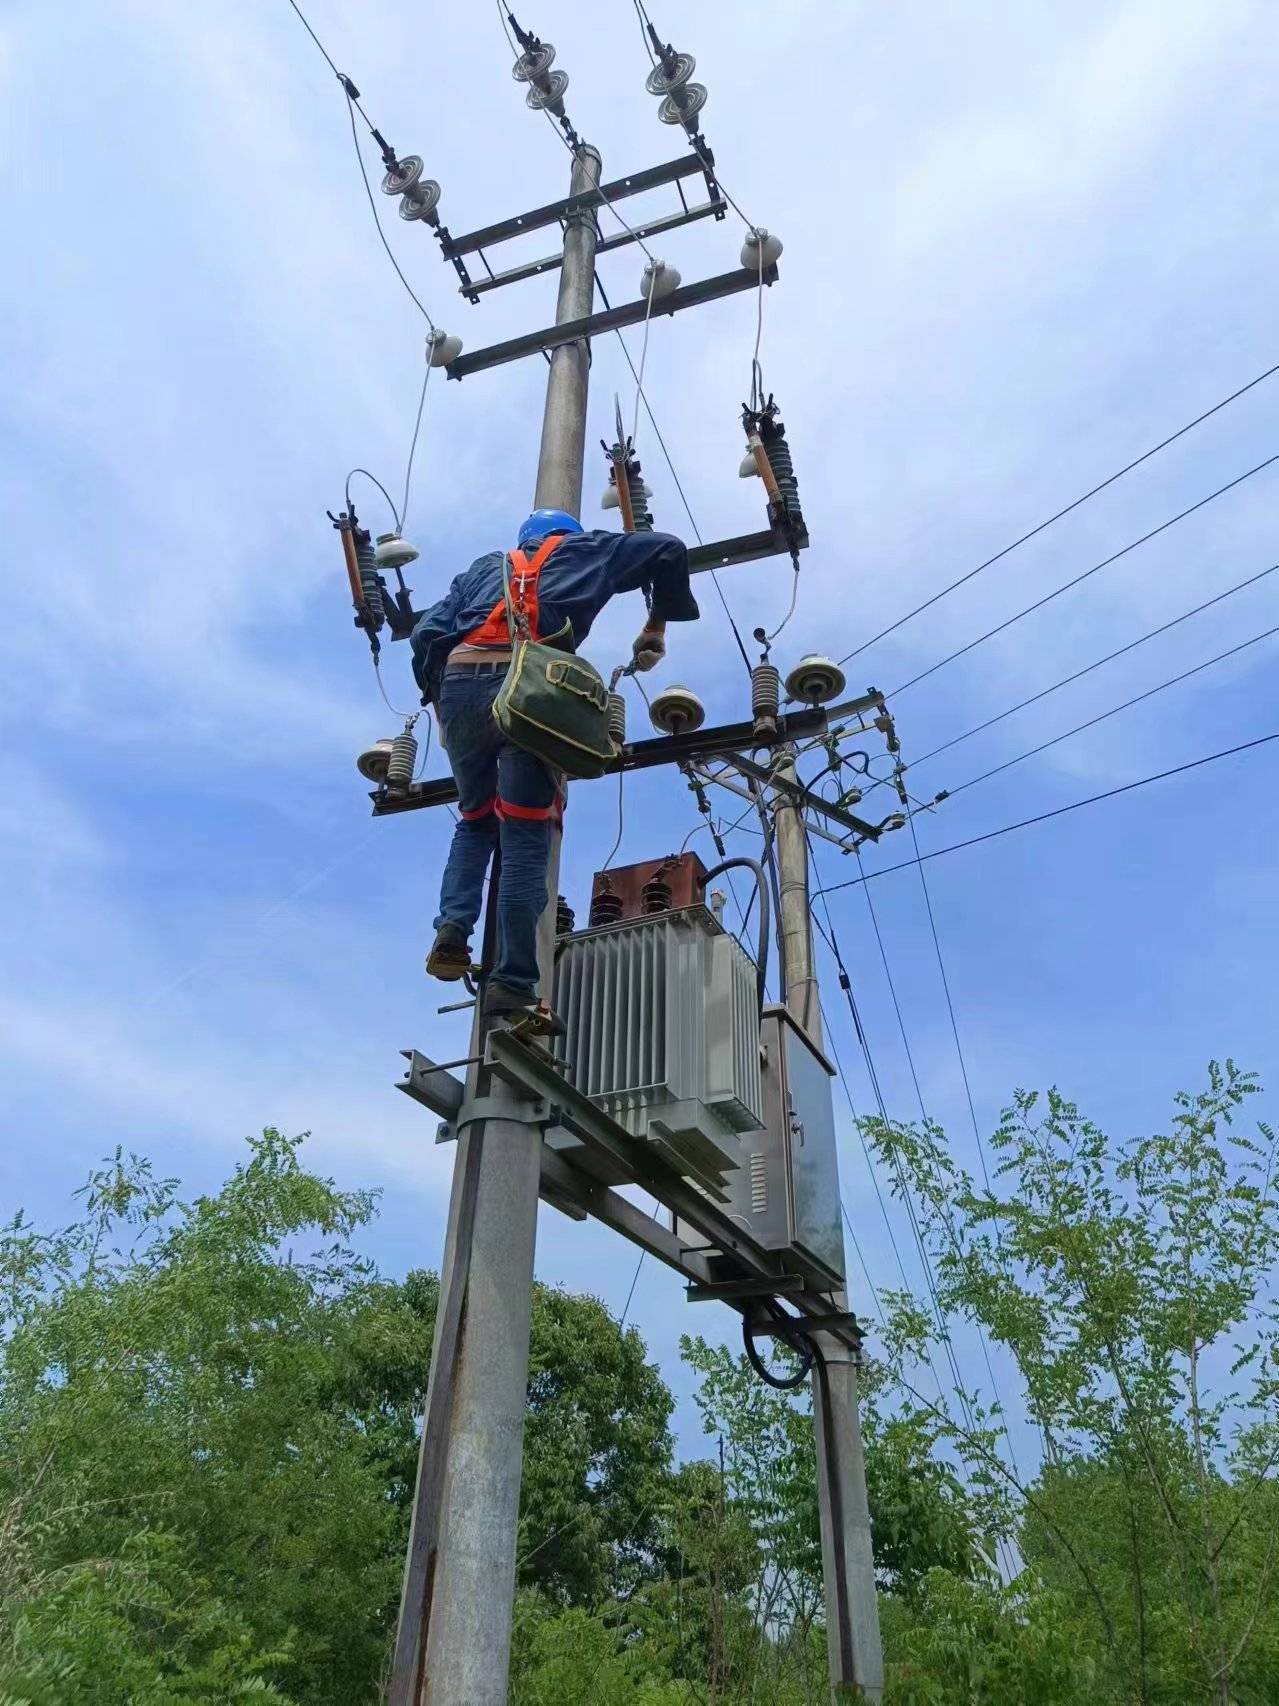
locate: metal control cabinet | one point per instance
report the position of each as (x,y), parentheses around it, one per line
(786,1192)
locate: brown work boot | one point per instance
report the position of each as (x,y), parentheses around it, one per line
(450,955)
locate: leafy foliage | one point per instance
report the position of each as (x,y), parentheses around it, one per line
(208,1440)
(1131,1282)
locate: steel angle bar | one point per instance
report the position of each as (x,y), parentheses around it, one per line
(727,1291)
(548,263)
(554,212)
(810,801)
(720,554)
(561,1178)
(535,1076)
(720,779)
(608,320)
(723,740)
(745,548)
(432,1085)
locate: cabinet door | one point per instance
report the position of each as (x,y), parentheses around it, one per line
(814,1165)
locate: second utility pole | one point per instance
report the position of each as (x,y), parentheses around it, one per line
(468,1586)
(848,1565)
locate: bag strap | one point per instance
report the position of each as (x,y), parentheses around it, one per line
(516,621)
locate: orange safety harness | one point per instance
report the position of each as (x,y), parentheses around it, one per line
(494,630)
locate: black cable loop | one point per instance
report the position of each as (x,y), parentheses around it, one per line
(799,1341)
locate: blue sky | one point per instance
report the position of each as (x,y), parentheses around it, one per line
(1022,245)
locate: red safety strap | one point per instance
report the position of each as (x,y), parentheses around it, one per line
(482,811)
(533,814)
(494,630)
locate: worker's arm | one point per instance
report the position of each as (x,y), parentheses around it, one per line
(658,562)
(432,637)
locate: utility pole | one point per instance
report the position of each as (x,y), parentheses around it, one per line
(464,1573)
(453,1638)
(848,1566)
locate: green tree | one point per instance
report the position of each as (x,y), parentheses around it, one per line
(1132,1282)
(230,1377)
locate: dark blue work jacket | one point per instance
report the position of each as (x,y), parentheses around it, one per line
(579,577)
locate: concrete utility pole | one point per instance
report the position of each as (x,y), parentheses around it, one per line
(848,1565)
(465,1574)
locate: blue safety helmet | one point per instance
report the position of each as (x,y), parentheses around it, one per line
(543,522)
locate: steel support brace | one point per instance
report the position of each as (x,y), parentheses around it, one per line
(609,320)
(744,548)
(556,212)
(719,554)
(719,742)
(765,1269)
(475,288)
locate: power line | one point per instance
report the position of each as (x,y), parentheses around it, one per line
(377,218)
(353,107)
(666,455)
(1113,712)
(1078,674)
(1059,811)
(348,88)
(874,1178)
(1035,531)
(950,1008)
(919,1096)
(845,983)
(1067,585)
(417,427)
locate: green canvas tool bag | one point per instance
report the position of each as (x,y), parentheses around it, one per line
(551,703)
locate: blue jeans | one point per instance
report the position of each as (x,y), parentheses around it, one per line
(508,798)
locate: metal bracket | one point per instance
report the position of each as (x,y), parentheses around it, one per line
(725,1291)
(474,288)
(805,798)
(745,548)
(610,320)
(723,740)
(551,213)
(429,1084)
(718,554)
(497,1108)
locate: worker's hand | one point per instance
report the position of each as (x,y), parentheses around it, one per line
(649,649)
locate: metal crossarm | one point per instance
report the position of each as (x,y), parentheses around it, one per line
(556,212)
(609,320)
(475,288)
(718,742)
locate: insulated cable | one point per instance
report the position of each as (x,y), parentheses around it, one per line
(908,1201)
(417,427)
(666,456)
(381,488)
(377,219)
(560,137)
(639,377)
(919,1097)
(1035,531)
